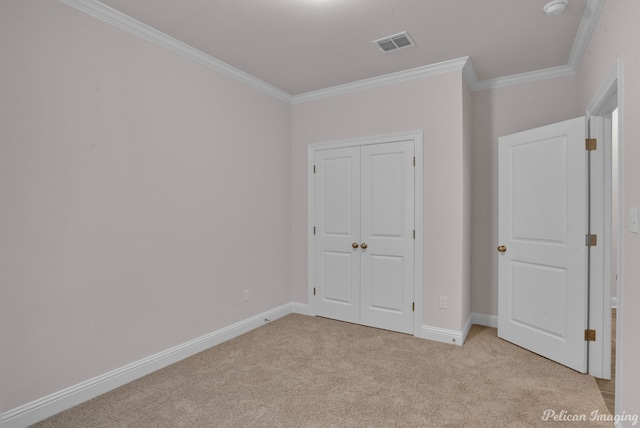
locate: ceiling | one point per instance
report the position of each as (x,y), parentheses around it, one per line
(299,46)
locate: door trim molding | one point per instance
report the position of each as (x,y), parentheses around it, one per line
(602,104)
(416,136)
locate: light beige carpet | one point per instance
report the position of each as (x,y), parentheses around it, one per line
(302,371)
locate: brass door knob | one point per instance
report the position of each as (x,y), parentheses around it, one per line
(502,249)
(363,246)
(354,245)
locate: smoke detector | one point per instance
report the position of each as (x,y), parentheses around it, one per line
(395,42)
(555,7)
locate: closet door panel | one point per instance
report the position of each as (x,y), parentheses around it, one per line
(387,224)
(337,217)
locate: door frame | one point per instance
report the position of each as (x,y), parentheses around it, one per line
(601,106)
(416,136)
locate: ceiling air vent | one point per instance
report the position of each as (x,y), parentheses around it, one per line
(397,41)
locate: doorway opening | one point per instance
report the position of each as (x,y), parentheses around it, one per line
(605,107)
(607,386)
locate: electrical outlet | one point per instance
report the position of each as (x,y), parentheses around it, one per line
(246,295)
(443,302)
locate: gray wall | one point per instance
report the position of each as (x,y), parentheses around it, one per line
(141,194)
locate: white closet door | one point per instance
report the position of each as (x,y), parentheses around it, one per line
(363,242)
(337,213)
(387,224)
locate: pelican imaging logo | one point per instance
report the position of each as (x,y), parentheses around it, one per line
(595,416)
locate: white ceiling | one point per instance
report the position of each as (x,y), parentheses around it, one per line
(300,46)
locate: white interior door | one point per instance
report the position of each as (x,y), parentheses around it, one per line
(363,242)
(337,229)
(387,199)
(542,231)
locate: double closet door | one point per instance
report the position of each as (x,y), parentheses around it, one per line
(364,234)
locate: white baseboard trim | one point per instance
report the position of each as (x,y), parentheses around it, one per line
(57,402)
(484,319)
(52,404)
(452,337)
(467,327)
(300,308)
(444,335)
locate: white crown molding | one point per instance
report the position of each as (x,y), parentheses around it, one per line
(608,87)
(386,79)
(469,74)
(52,404)
(519,79)
(587,24)
(120,20)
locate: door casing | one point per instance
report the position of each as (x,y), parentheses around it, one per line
(416,136)
(603,103)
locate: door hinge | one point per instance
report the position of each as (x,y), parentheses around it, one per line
(414,234)
(589,335)
(314,291)
(414,161)
(591,240)
(591,144)
(314,230)
(314,169)
(413,306)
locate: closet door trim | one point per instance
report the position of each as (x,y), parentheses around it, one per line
(416,136)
